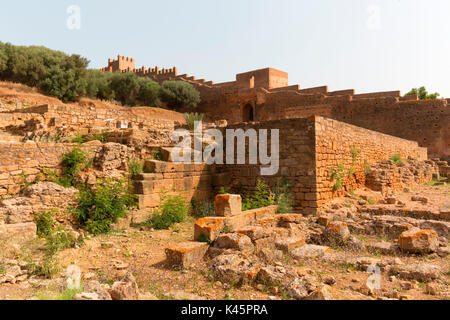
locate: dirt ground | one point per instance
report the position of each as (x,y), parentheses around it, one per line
(142,251)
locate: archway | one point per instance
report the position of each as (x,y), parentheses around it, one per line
(248,114)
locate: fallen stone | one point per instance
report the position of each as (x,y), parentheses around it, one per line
(230,268)
(310,251)
(125,290)
(302,288)
(336,232)
(253,232)
(209,227)
(186,254)
(227,205)
(416,240)
(234,241)
(290,244)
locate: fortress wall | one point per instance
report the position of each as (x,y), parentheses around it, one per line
(424,121)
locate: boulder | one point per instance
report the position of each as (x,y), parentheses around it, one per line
(416,240)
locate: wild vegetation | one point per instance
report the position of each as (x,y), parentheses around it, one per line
(68,78)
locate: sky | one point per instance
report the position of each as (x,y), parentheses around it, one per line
(366,45)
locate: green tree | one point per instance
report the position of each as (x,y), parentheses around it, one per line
(148,92)
(125,87)
(423,94)
(179,94)
(99,85)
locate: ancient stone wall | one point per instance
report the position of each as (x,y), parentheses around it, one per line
(25,160)
(354,149)
(297,160)
(192,181)
(310,148)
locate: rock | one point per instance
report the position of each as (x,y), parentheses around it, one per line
(272,275)
(336,232)
(330,280)
(417,271)
(420,199)
(390,200)
(209,227)
(227,205)
(289,244)
(125,290)
(443,252)
(13,271)
(186,254)
(310,251)
(416,240)
(86,296)
(321,294)
(19,231)
(302,288)
(254,233)
(230,268)
(234,241)
(101,290)
(432,289)
(270,255)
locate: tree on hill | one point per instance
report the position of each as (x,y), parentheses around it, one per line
(423,94)
(179,94)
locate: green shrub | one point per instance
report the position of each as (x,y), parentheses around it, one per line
(179,94)
(204,238)
(367,168)
(72,163)
(78,138)
(44,223)
(157,154)
(191,118)
(355,152)
(224,190)
(338,176)
(284,198)
(135,167)
(102,205)
(262,197)
(397,159)
(173,209)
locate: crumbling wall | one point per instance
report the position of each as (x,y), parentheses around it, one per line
(19,159)
(355,150)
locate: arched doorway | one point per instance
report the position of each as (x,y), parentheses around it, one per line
(248,114)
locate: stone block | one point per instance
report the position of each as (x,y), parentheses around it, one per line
(227,205)
(186,254)
(416,240)
(210,227)
(289,244)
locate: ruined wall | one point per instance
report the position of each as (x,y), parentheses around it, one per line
(310,148)
(355,148)
(297,157)
(83,117)
(192,181)
(17,159)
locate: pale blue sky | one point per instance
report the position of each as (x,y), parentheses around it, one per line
(368,45)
